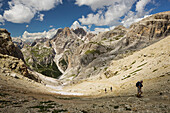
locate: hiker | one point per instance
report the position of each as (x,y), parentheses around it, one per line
(139,88)
(111,89)
(105,90)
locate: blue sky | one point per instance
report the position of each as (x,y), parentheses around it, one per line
(33,16)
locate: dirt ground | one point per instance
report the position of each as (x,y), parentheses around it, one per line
(14,98)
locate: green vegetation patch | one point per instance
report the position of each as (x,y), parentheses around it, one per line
(142,65)
(126,77)
(73,75)
(155,70)
(136,71)
(92,52)
(131,74)
(51,70)
(105,68)
(133,62)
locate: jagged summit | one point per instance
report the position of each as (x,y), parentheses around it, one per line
(80,32)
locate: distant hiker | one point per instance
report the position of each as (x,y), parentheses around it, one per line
(105,90)
(111,88)
(139,88)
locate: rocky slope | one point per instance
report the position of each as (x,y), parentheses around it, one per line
(150,64)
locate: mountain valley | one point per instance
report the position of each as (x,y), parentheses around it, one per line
(75,69)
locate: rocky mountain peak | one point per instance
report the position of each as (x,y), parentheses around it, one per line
(7,47)
(120,27)
(66,31)
(80,32)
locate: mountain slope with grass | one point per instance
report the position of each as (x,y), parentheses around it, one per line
(150,64)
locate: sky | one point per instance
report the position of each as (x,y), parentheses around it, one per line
(32,16)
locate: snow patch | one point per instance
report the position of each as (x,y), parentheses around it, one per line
(66,93)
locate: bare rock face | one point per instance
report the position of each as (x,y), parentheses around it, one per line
(150,29)
(7,47)
(65,39)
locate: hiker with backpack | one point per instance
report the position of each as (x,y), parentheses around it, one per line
(139,88)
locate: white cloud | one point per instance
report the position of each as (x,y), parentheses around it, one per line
(101,29)
(27,26)
(108,13)
(19,14)
(39,5)
(51,26)
(113,12)
(32,36)
(1,19)
(22,11)
(76,25)
(98,30)
(141,5)
(40,17)
(96,4)
(131,18)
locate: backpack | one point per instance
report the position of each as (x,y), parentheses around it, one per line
(137,84)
